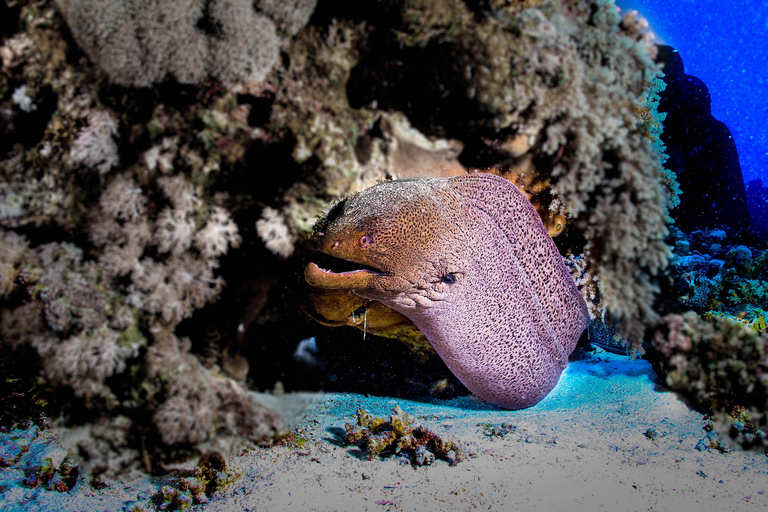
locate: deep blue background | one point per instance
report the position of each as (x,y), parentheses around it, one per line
(723,43)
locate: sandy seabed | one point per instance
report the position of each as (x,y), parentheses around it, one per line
(584,447)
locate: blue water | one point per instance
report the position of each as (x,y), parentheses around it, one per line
(722,42)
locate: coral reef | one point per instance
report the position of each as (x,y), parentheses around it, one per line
(141,43)
(379,436)
(521,89)
(125,208)
(114,222)
(720,365)
(718,277)
(715,353)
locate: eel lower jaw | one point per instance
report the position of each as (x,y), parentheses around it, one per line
(349,280)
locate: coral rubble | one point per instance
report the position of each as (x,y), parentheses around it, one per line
(378,436)
(194,488)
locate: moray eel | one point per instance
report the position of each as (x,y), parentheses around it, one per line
(469,261)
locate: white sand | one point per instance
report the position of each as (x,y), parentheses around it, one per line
(582,448)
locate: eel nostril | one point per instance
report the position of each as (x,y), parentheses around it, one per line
(334,244)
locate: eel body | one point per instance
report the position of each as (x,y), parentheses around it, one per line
(469,261)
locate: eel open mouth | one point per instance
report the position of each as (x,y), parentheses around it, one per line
(343,274)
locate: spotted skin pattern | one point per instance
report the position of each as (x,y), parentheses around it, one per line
(469,261)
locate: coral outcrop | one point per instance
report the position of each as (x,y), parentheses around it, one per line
(544,92)
(720,365)
(114,221)
(141,43)
(125,208)
(715,353)
(715,276)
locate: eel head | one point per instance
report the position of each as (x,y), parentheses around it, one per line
(378,243)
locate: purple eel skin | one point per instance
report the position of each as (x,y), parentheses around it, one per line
(469,261)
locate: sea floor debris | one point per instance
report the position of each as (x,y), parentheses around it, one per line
(399,435)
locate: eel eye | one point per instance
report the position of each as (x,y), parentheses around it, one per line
(365,240)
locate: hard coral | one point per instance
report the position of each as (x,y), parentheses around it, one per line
(141,43)
(378,436)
